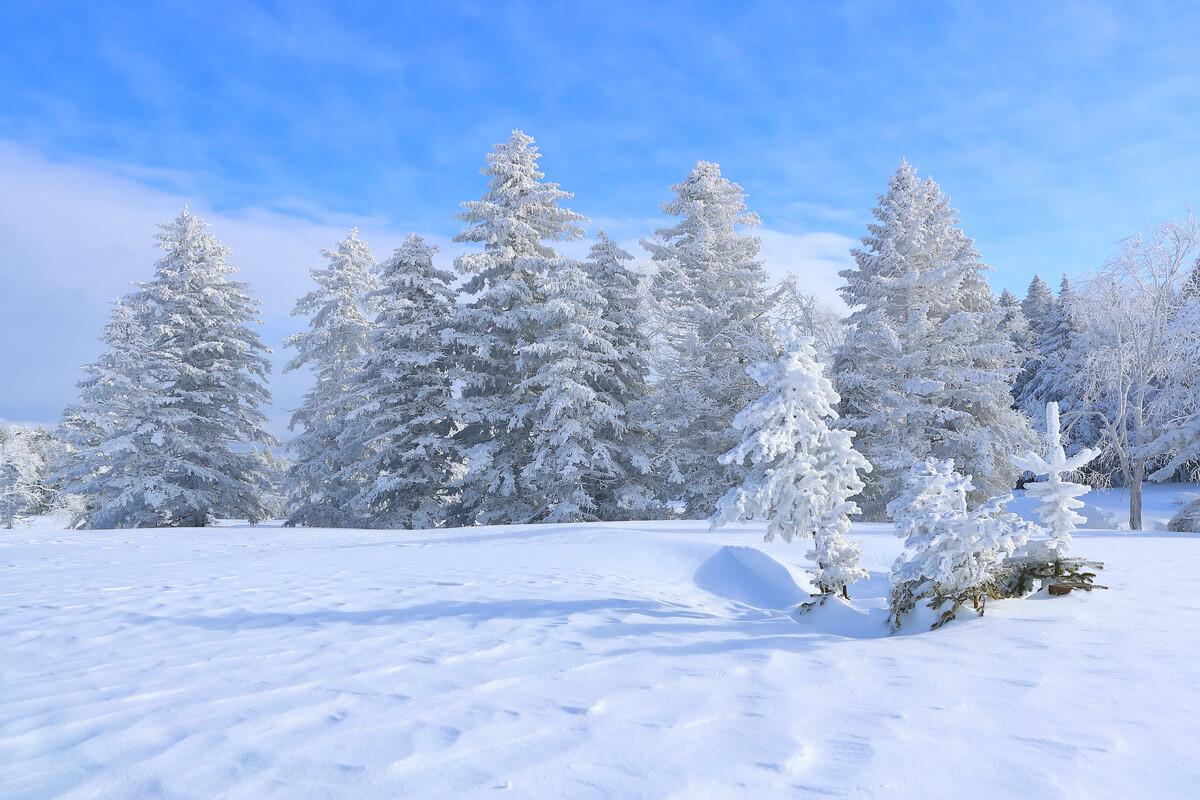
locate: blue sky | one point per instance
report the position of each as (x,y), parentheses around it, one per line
(1057,128)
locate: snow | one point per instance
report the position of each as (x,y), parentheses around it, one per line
(589,660)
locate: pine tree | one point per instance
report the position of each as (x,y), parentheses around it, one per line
(1038,304)
(803,472)
(1038,307)
(711,294)
(574,423)
(513,221)
(1058,363)
(190,451)
(925,370)
(337,337)
(951,552)
(1014,323)
(1191,285)
(116,392)
(632,492)
(1059,498)
(397,437)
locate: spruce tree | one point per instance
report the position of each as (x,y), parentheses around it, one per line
(803,472)
(1060,497)
(1057,365)
(192,449)
(397,434)
(953,552)
(116,392)
(574,424)
(711,294)
(926,369)
(632,492)
(318,494)
(1015,324)
(1039,302)
(514,221)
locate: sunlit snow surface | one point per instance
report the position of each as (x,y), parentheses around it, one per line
(610,660)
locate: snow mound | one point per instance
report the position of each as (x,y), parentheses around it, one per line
(1101,519)
(749,576)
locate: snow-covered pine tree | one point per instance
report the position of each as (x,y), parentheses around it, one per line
(191,452)
(574,423)
(631,492)
(1038,308)
(116,392)
(710,289)
(1056,367)
(926,370)
(1014,323)
(318,491)
(1191,285)
(1039,302)
(513,221)
(951,552)
(1059,497)
(802,471)
(397,434)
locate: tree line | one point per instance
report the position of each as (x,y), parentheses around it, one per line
(529,386)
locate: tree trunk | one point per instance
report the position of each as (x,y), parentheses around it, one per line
(1135,497)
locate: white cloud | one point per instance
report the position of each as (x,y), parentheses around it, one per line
(814,258)
(75,237)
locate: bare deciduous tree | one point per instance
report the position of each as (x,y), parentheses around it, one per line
(1130,365)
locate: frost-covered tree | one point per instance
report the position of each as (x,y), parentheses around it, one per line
(926,369)
(397,434)
(631,491)
(802,471)
(514,221)
(574,423)
(710,289)
(1059,498)
(810,314)
(116,392)
(1054,370)
(1038,308)
(318,494)
(1135,375)
(190,451)
(25,485)
(1014,323)
(1038,304)
(951,551)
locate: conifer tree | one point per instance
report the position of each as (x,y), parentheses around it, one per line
(193,449)
(952,552)
(711,294)
(1059,497)
(803,472)
(632,491)
(1058,362)
(318,494)
(1039,302)
(926,370)
(1015,324)
(514,221)
(396,439)
(574,423)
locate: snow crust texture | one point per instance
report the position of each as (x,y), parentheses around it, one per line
(653,660)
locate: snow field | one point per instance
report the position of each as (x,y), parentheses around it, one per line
(602,660)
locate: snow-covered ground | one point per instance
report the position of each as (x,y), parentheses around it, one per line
(609,660)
